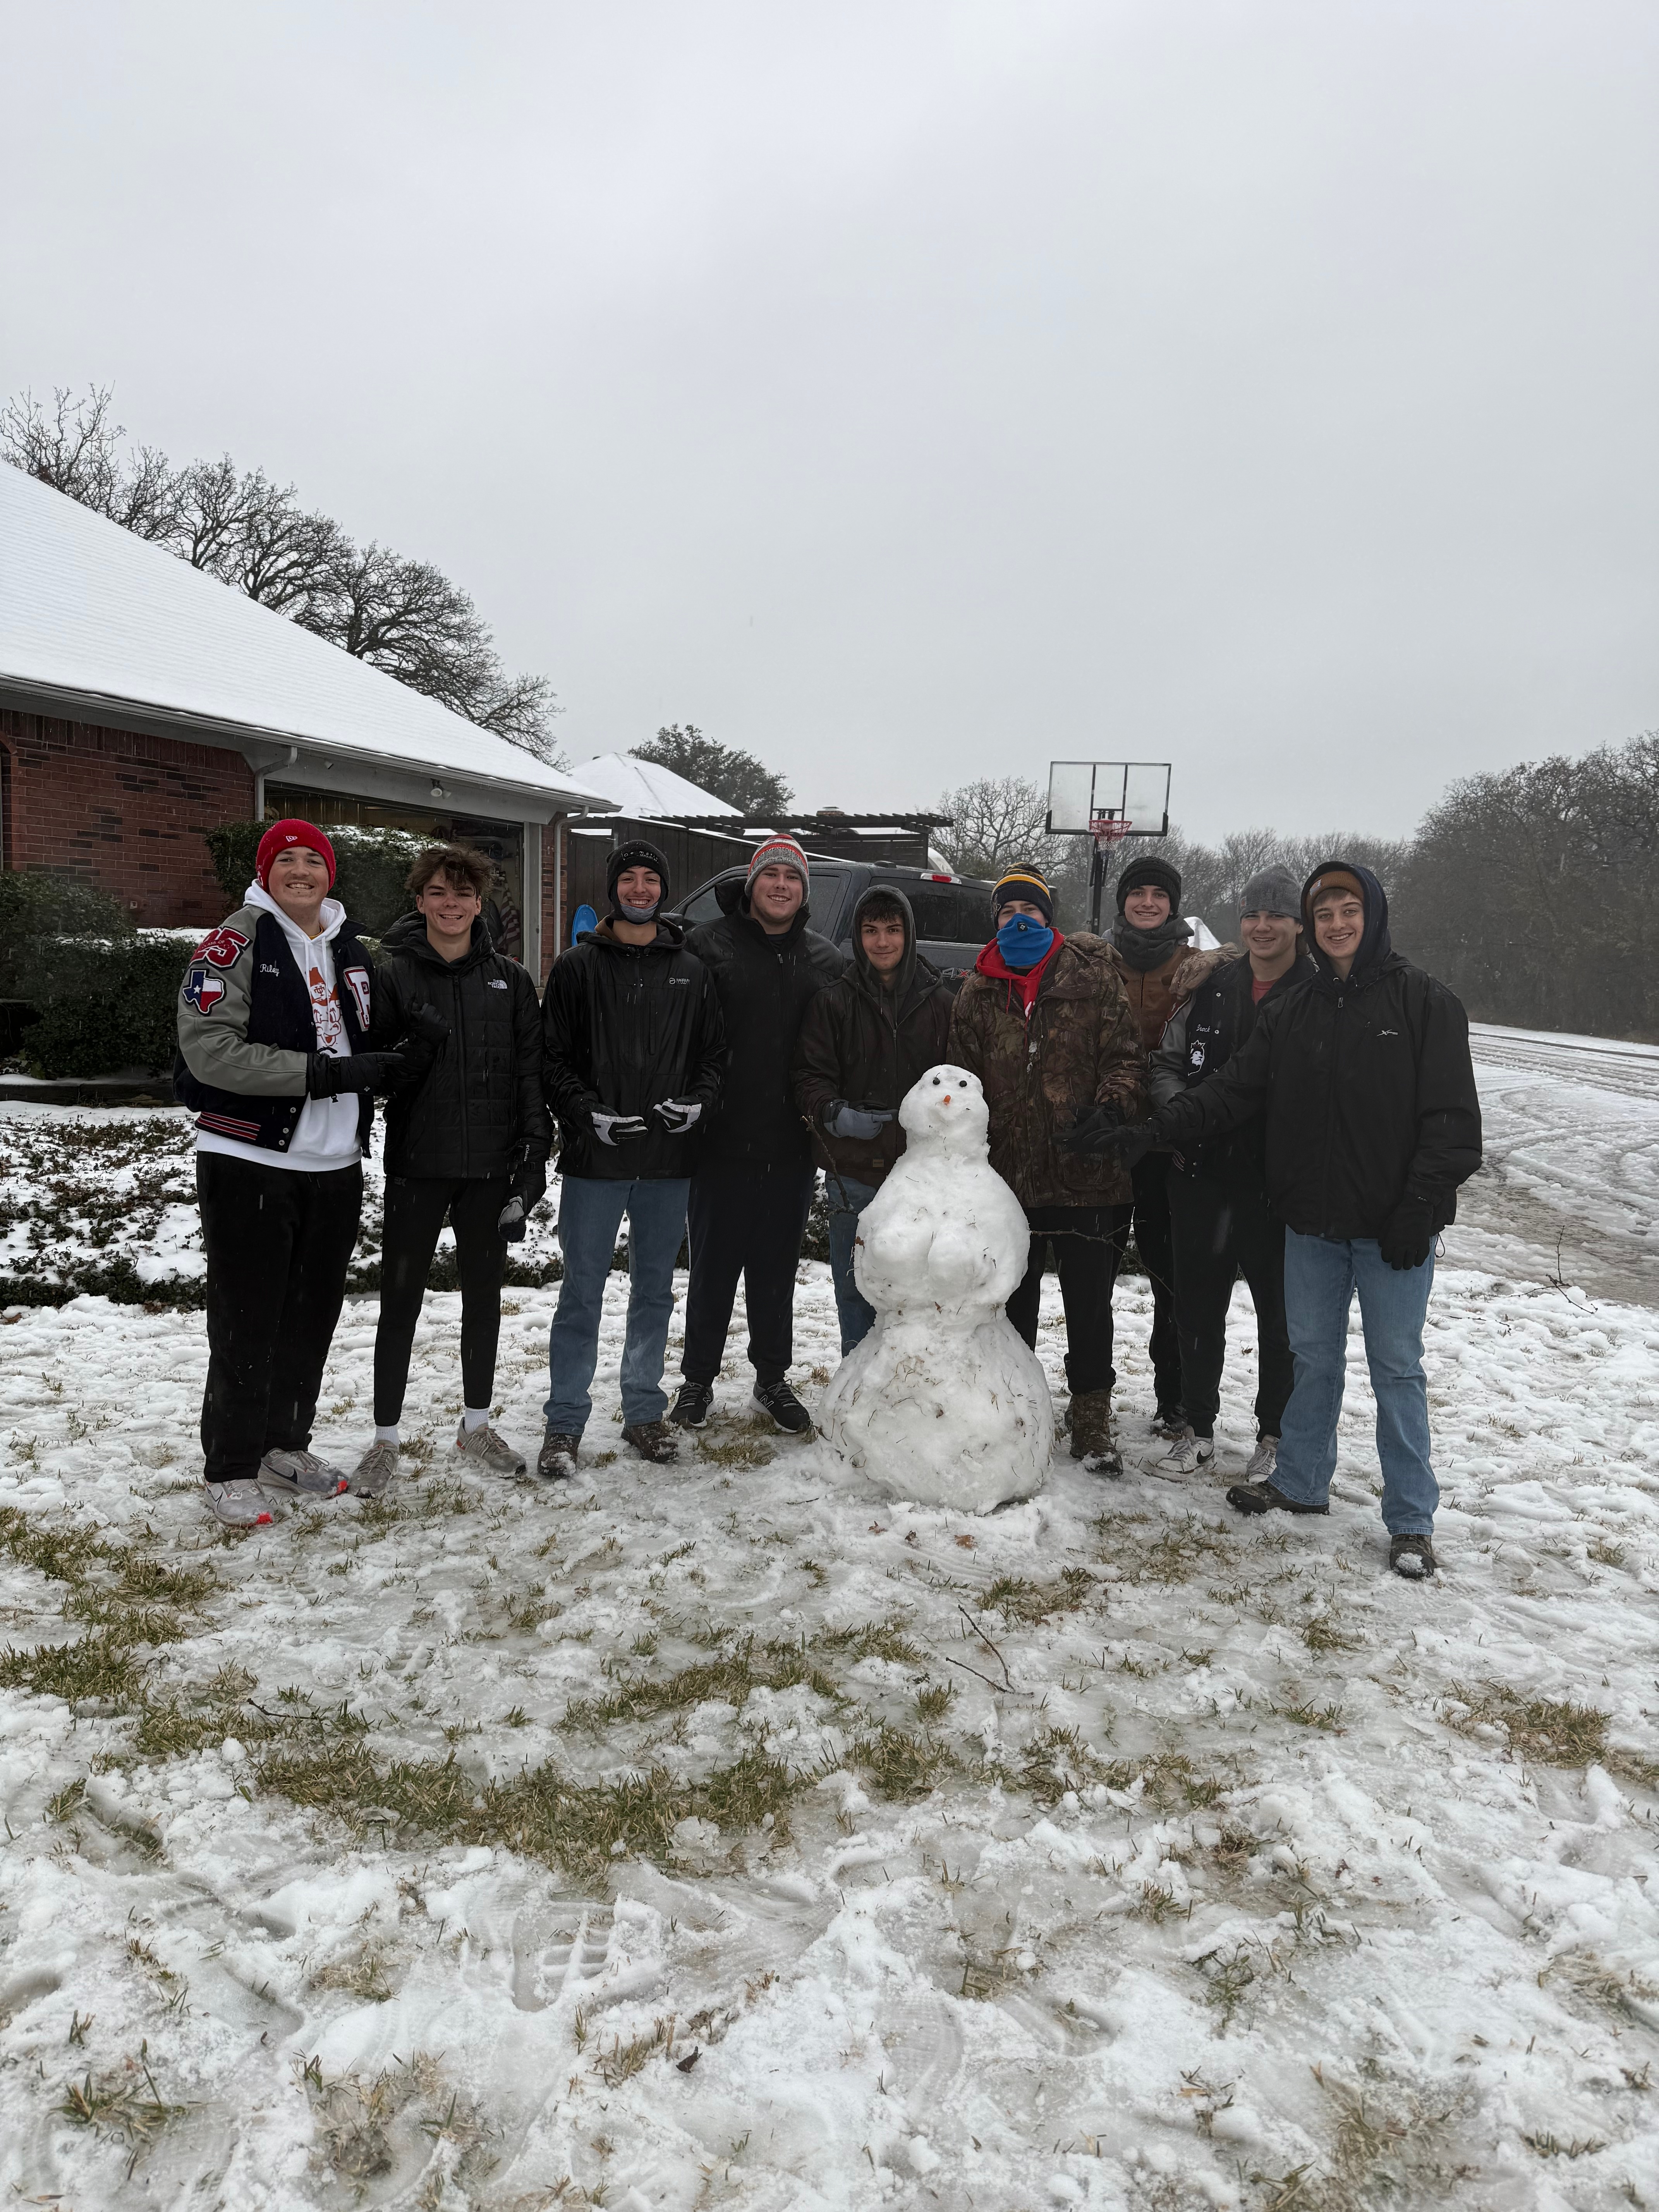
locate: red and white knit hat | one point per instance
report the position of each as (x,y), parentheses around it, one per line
(778,852)
(282,837)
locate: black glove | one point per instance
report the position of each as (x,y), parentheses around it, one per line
(1092,1123)
(1408,1235)
(1131,1144)
(527,1190)
(611,1127)
(426,1030)
(859,1125)
(328,1078)
(678,1115)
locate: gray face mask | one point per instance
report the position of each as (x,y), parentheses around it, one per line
(638,912)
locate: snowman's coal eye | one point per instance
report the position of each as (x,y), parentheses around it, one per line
(936,1083)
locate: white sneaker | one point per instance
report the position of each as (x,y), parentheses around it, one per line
(1263,1462)
(376,1471)
(1186,1456)
(299,1474)
(239,1504)
(483,1448)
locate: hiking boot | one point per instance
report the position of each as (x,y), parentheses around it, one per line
(490,1454)
(690,1409)
(1413,1557)
(1263,1498)
(778,1400)
(1170,1423)
(240,1503)
(1259,1467)
(299,1474)
(1092,1441)
(557,1458)
(652,1440)
(1186,1456)
(376,1471)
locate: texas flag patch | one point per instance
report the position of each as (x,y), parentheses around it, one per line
(204,990)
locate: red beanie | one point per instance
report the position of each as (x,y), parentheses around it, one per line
(282,837)
(779,851)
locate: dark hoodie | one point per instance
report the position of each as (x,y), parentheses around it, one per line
(1365,1083)
(477,1111)
(868,1044)
(627,1026)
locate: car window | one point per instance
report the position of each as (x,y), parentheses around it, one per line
(825,897)
(949,913)
(703,905)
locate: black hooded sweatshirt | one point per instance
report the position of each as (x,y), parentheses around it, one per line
(627,1026)
(765,986)
(868,1045)
(1366,1085)
(477,1111)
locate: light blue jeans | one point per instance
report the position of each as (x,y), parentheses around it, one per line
(848,1199)
(590,1209)
(1321,1277)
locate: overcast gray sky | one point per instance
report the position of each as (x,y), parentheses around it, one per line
(916,392)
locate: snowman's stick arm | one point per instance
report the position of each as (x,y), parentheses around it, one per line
(990,1647)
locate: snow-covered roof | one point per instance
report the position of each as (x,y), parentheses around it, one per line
(644,789)
(95,620)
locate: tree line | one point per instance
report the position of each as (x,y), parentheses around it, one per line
(401,615)
(1532,891)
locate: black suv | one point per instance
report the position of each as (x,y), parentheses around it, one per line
(953,913)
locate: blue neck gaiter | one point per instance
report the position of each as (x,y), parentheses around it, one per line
(1022,941)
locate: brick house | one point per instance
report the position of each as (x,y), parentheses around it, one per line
(142,703)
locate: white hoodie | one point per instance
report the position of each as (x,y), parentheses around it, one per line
(326,1137)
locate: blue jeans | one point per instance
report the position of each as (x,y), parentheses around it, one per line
(848,1199)
(1321,1277)
(590,1209)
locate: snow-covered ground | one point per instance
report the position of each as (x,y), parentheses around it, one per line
(720,1835)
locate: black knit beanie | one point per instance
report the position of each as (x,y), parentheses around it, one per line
(638,853)
(1156,873)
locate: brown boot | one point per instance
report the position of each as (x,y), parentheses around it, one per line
(1092,1441)
(652,1440)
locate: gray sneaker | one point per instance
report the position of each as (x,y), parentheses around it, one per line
(376,1471)
(1263,1463)
(1186,1456)
(239,1504)
(299,1474)
(482,1448)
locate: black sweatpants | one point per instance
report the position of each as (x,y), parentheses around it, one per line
(278,1243)
(414,1210)
(748,1223)
(1220,1234)
(1150,1216)
(1087,1240)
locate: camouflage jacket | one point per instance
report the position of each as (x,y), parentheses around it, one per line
(1080,1047)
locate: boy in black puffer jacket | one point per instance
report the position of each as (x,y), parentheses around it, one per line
(469,1140)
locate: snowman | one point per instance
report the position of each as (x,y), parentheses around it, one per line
(943,1402)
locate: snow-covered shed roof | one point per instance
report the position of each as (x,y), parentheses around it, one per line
(98,625)
(647,791)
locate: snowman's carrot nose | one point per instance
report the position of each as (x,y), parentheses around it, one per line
(945,1100)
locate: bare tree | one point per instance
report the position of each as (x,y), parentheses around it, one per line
(402,616)
(741,779)
(995,822)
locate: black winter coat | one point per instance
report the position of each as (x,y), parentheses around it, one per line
(1199,1039)
(867,1045)
(627,1026)
(1365,1085)
(765,986)
(477,1111)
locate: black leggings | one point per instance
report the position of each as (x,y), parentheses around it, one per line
(1087,1243)
(414,1210)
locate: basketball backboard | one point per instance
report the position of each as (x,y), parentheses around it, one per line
(1135,793)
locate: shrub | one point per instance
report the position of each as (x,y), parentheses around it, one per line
(372,865)
(106,1004)
(35,908)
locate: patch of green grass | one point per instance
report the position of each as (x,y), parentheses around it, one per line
(729,1678)
(1554,1732)
(872,1639)
(1057,1759)
(1306,1714)
(125,2102)
(1018,1598)
(898,1764)
(1171,1783)
(98,1667)
(1323,1633)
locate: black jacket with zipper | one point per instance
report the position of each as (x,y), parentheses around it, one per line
(627,1026)
(477,1111)
(765,986)
(1199,1039)
(867,1045)
(1364,1083)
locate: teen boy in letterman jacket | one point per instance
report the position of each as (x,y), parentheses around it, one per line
(273,1016)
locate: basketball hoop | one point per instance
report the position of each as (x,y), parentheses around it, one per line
(1109,829)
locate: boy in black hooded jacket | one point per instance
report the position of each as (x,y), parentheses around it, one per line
(634,1049)
(1363,1077)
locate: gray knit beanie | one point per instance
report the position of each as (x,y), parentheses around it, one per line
(1272,890)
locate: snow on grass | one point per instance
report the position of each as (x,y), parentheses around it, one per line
(723,1835)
